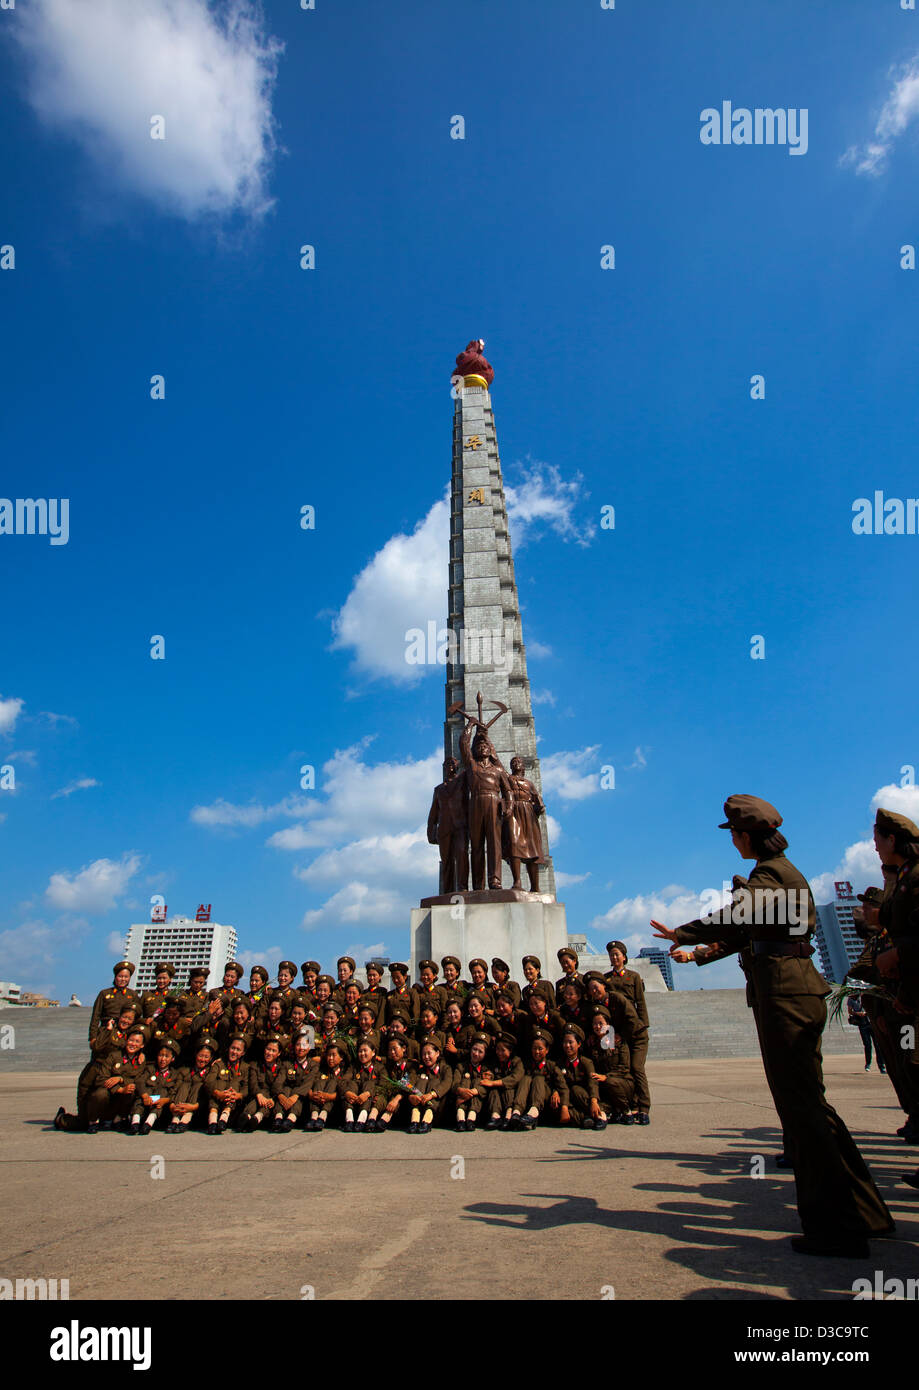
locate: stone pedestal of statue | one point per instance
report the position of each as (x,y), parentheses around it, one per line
(503,923)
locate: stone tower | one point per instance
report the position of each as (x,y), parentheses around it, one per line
(483,610)
(486,654)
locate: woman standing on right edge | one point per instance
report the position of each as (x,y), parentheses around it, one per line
(838,1203)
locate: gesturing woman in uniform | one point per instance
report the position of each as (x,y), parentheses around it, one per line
(838,1202)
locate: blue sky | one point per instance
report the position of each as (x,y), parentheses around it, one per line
(330,387)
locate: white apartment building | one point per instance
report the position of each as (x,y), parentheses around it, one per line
(184,942)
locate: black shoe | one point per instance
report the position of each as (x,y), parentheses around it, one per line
(600,1124)
(460,1125)
(348,1127)
(505,1124)
(628,1118)
(359,1127)
(213,1128)
(413,1127)
(133,1129)
(493,1122)
(855,1248)
(643,1118)
(172,1128)
(287,1126)
(424,1128)
(221,1126)
(319,1126)
(92,1127)
(57,1119)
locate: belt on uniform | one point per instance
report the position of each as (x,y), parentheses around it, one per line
(781,948)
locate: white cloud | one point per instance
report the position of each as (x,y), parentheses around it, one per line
(537,649)
(859,864)
(9,712)
(358,902)
(564,775)
(361,954)
(377,858)
(115,944)
(893,797)
(629,920)
(96,887)
(77,786)
(899,110)
(640,759)
(269,957)
(225,813)
(542,697)
(382,798)
(563,880)
(100,69)
(30,951)
(404,586)
(543,500)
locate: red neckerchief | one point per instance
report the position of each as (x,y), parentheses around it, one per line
(541,1066)
(303,1062)
(271,1067)
(163,1075)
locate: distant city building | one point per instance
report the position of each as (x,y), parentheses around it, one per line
(837,940)
(10,992)
(183,942)
(661,959)
(38,1001)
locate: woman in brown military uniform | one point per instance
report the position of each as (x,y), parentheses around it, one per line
(838,1202)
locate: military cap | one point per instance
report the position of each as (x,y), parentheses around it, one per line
(175,1047)
(498,964)
(311,965)
(287,965)
(566,951)
(260,971)
(451,960)
(365,1006)
(124,965)
(238,1037)
(508,1039)
(331,1007)
(208,1041)
(872,896)
(333,984)
(541,1035)
(750,813)
(479,961)
(431,1008)
(136,1028)
(603,1011)
(595,975)
(346,960)
(402,1014)
(306,1031)
(399,1038)
(171,1001)
(398,965)
(574,1030)
(617,946)
(481,1038)
(197,970)
(431,1041)
(891,823)
(238,970)
(376,965)
(428,965)
(164,965)
(532,960)
(506,994)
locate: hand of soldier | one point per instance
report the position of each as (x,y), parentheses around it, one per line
(595,1109)
(681,957)
(127,1087)
(555,1100)
(662,931)
(393,1106)
(565,1115)
(146,1100)
(112,1082)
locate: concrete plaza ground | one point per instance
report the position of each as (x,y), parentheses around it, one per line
(671,1211)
